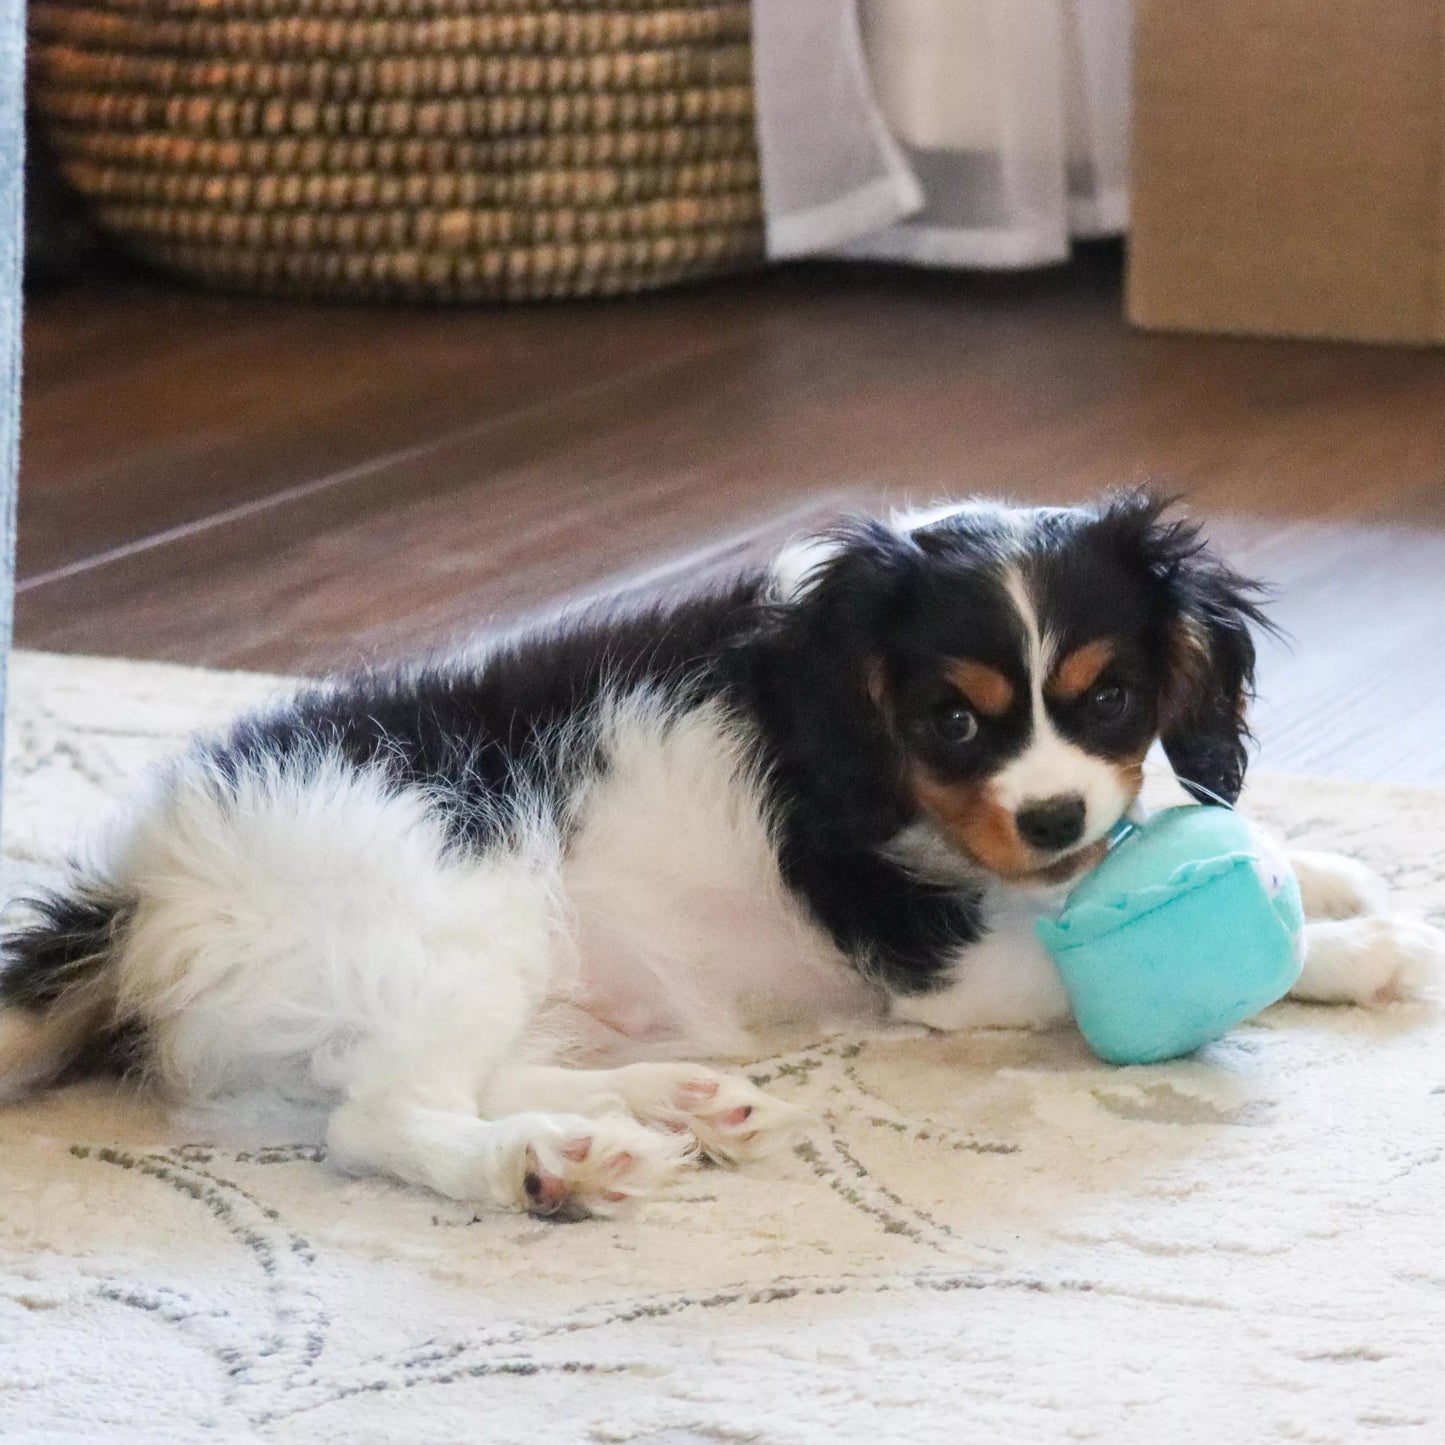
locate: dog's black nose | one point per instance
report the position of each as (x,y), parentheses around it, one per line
(1053,824)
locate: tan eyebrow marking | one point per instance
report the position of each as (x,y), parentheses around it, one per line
(987,690)
(1080,670)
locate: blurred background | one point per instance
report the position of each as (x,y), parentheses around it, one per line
(357,327)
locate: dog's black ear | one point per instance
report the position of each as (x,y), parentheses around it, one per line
(1209,651)
(830,680)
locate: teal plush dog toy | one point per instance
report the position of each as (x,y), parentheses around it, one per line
(1190,924)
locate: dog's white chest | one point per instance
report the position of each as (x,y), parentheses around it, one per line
(683,927)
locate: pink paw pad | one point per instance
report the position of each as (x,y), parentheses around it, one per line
(613,1168)
(694,1091)
(546,1193)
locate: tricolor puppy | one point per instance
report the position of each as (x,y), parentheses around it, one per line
(486,913)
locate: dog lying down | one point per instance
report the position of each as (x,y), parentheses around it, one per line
(487,912)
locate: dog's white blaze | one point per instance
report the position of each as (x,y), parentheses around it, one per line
(1050,765)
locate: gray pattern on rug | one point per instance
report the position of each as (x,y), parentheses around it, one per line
(986,1237)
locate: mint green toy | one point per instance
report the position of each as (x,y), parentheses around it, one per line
(1190,924)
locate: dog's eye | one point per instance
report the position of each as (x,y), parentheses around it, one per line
(954,723)
(1109,703)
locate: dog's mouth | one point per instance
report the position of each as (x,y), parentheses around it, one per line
(937,853)
(984,833)
(1042,870)
(1068,866)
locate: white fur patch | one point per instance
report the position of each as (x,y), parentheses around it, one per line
(313,920)
(1377,959)
(1332,886)
(686,934)
(798,563)
(1013,521)
(1005,980)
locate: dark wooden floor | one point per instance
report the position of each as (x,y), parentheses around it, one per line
(255,485)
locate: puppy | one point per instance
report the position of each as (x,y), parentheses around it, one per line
(487,912)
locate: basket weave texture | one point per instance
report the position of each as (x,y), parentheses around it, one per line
(413,149)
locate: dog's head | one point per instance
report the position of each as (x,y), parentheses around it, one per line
(999,674)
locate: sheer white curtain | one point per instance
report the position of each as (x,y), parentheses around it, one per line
(985,133)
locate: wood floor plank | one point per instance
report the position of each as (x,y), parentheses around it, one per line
(483,525)
(255,400)
(99,330)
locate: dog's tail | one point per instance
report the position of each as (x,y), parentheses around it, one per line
(58,988)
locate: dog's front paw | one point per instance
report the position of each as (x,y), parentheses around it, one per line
(1402,958)
(731,1119)
(1333,886)
(568,1167)
(1372,961)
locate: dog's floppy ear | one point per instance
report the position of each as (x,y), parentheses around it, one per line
(1209,664)
(833,616)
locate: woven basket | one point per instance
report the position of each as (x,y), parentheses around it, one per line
(418,149)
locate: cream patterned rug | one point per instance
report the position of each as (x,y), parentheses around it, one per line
(988,1238)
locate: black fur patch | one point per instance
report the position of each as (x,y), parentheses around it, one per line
(68,942)
(480,733)
(1201,700)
